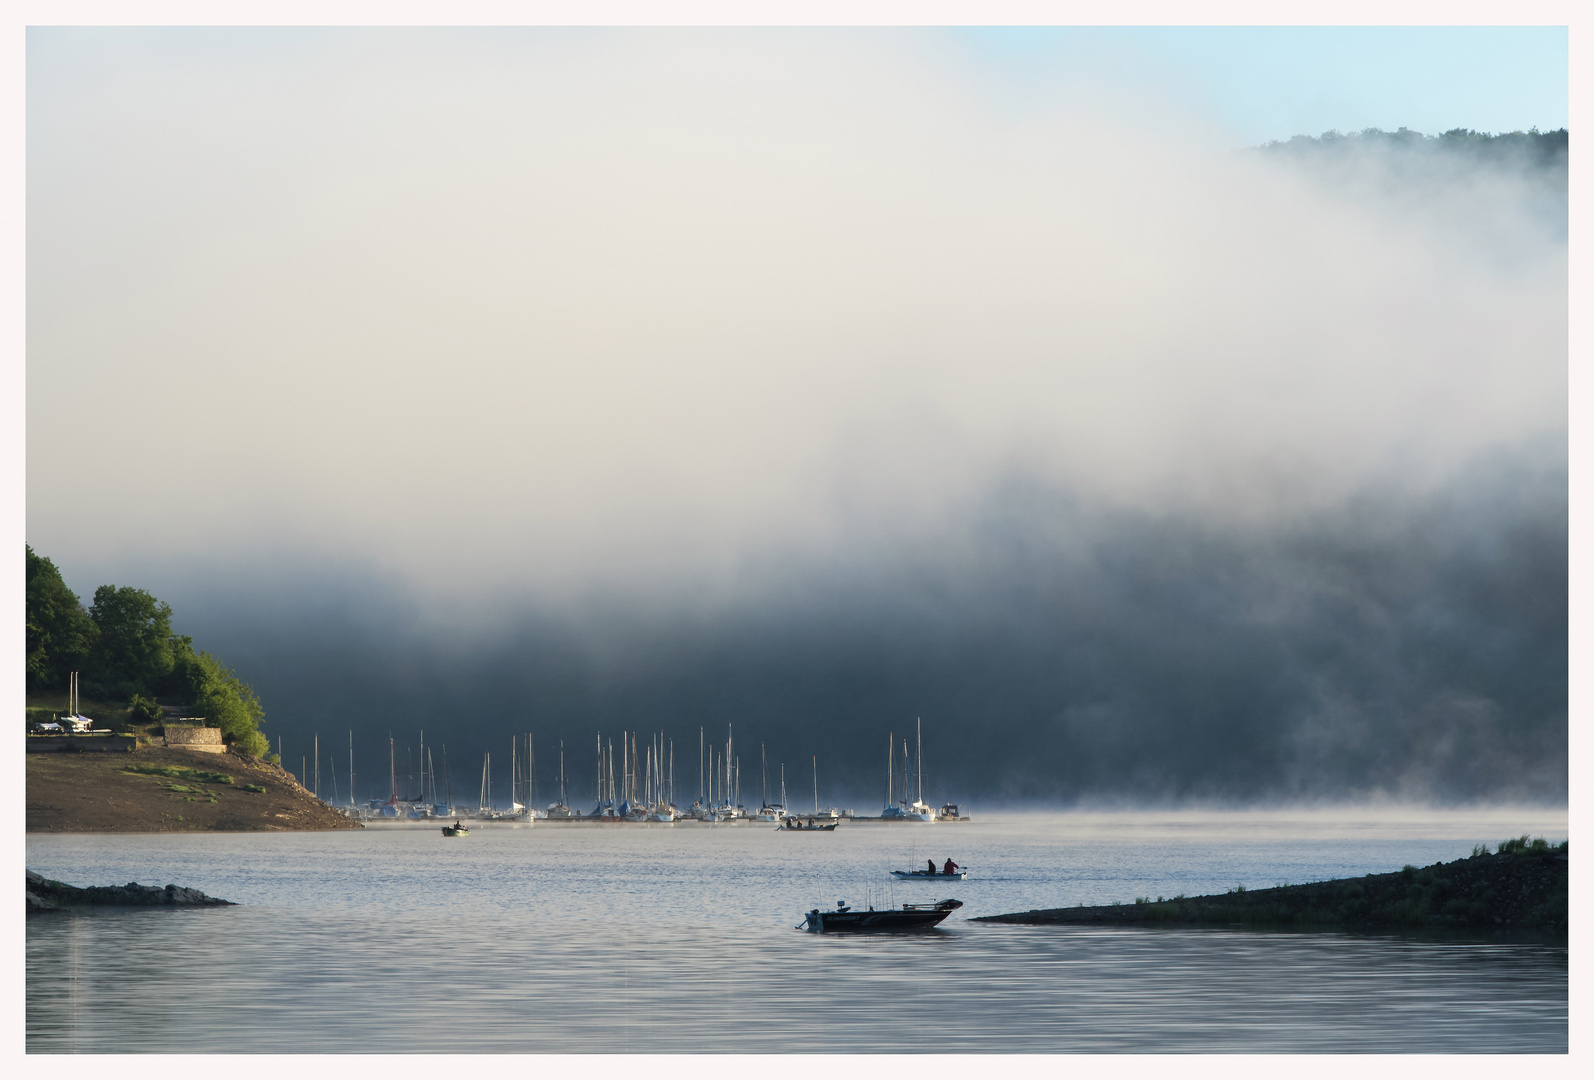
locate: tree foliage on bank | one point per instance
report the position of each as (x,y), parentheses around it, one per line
(1541,149)
(60,633)
(125,650)
(1471,184)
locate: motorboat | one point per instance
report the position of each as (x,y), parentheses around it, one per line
(928,874)
(456,828)
(798,824)
(843,919)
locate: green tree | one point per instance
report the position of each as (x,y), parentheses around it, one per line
(133,653)
(144,710)
(60,633)
(221,697)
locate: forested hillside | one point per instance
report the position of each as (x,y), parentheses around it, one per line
(129,660)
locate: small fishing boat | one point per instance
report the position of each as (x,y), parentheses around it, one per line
(843,919)
(457,828)
(797,824)
(927,874)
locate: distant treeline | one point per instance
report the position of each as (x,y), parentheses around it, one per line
(124,649)
(1543,149)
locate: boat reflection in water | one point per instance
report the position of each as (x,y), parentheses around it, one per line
(843,919)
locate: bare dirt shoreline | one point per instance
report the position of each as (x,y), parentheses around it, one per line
(95,793)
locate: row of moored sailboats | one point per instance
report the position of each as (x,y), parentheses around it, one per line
(643,787)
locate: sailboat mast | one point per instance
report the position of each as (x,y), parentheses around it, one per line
(351,766)
(816,783)
(392,770)
(918,744)
(891,763)
(763,772)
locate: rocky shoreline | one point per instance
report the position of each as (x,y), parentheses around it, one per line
(1520,887)
(45,894)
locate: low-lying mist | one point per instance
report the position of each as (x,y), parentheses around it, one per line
(1062,653)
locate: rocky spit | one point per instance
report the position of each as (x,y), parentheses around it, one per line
(1524,888)
(47,895)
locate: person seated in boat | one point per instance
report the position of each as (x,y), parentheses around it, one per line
(931,871)
(951,868)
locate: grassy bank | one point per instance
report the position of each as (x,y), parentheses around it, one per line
(1522,885)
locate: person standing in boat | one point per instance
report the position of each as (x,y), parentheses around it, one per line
(951,868)
(932,867)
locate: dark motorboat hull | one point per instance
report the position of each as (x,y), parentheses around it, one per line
(908,918)
(925,875)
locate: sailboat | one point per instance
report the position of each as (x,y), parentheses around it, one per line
(516,807)
(561,809)
(389,809)
(605,807)
(444,809)
(830,812)
(918,809)
(532,813)
(892,810)
(727,807)
(770,811)
(660,808)
(74,721)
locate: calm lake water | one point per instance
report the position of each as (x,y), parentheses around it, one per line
(652,939)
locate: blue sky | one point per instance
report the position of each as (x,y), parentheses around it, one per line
(1273,82)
